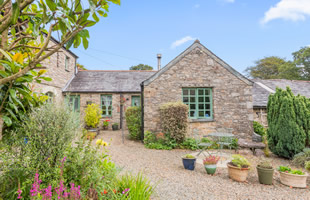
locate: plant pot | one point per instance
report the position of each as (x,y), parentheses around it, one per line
(237,174)
(94,130)
(294,180)
(114,127)
(189,163)
(265,176)
(211,169)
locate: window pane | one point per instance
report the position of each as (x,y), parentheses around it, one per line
(200,99)
(207,99)
(76,104)
(109,98)
(192,113)
(201,114)
(110,112)
(200,92)
(207,92)
(185,91)
(193,99)
(208,113)
(200,106)
(207,106)
(185,99)
(192,92)
(193,106)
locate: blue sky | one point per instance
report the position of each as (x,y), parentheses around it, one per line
(238,31)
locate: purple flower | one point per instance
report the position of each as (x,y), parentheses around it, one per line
(64,159)
(19,192)
(35,186)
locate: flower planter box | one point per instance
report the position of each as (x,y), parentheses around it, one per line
(189,163)
(265,176)
(294,180)
(237,174)
(211,169)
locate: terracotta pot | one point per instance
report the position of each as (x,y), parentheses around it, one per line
(294,180)
(237,174)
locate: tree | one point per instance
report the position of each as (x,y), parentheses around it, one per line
(273,68)
(302,59)
(80,66)
(26,27)
(141,67)
(288,123)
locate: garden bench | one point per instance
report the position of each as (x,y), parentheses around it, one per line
(251,145)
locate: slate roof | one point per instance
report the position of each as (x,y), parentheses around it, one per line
(262,89)
(107,81)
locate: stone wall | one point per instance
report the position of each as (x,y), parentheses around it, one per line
(96,98)
(260,115)
(55,66)
(232,97)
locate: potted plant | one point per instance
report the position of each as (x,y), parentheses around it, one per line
(115,126)
(210,163)
(238,168)
(292,178)
(106,124)
(92,117)
(189,161)
(265,172)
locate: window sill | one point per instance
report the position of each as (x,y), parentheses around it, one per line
(201,120)
(67,70)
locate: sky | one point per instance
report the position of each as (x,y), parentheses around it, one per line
(238,31)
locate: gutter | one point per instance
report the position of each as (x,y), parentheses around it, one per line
(142,112)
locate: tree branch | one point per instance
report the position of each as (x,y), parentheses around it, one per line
(2,6)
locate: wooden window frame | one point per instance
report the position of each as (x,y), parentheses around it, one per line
(207,93)
(135,97)
(107,109)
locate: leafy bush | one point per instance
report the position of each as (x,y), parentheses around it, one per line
(240,161)
(174,119)
(289,121)
(39,145)
(92,115)
(163,142)
(287,169)
(258,128)
(189,143)
(133,120)
(302,157)
(307,166)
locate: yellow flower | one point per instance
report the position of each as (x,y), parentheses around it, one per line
(18,57)
(99,142)
(104,144)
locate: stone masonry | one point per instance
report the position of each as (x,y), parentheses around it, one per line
(55,66)
(232,96)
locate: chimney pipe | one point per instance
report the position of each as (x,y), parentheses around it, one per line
(159,61)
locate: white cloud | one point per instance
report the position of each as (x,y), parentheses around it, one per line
(293,10)
(230,1)
(181,41)
(196,5)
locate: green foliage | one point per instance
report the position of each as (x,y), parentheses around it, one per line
(302,157)
(189,143)
(240,161)
(92,115)
(174,117)
(189,156)
(274,68)
(302,59)
(265,164)
(234,144)
(141,67)
(39,145)
(287,169)
(140,188)
(307,166)
(258,128)
(133,121)
(164,142)
(288,123)
(80,67)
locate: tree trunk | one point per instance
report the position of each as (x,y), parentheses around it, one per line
(1,127)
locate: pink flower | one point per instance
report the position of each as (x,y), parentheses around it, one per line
(19,192)
(35,190)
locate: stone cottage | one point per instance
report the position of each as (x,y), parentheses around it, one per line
(219,97)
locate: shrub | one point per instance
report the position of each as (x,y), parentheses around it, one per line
(39,145)
(288,123)
(163,142)
(307,166)
(240,161)
(133,120)
(189,143)
(92,115)
(174,118)
(258,128)
(302,157)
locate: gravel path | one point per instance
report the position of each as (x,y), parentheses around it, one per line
(175,183)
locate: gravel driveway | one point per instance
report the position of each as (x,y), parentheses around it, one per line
(175,183)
